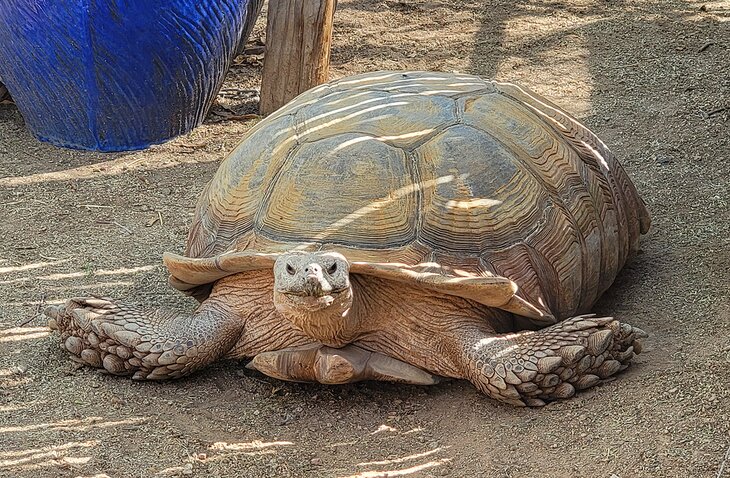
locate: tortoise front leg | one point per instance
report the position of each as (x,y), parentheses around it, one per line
(530,368)
(148,344)
(318,363)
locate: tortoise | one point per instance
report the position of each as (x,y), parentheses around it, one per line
(402,226)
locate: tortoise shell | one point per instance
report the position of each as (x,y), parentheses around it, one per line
(449,180)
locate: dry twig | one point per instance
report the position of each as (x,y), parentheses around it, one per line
(38,309)
(129,231)
(724,460)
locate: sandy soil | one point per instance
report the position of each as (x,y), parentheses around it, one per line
(651,77)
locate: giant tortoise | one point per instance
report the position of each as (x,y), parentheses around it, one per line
(400,226)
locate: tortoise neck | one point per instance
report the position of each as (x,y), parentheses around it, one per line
(335,325)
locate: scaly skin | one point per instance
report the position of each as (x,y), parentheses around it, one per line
(530,368)
(153,344)
(441,335)
(524,368)
(456,338)
(150,344)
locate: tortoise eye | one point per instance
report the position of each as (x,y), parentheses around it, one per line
(332,269)
(290,269)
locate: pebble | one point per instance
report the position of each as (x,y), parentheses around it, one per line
(316,461)
(118,400)
(187,469)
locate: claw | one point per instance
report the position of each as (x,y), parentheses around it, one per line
(586,381)
(640,333)
(599,341)
(625,355)
(564,390)
(608,368)
(52,312)
(74,345)
(533,402)
(91,357)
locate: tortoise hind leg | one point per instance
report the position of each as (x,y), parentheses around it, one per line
(318,363)
(530,368)
(148,344)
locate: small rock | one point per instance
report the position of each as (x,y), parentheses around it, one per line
(316,461)
(118,400)
(673,390)
(187,469)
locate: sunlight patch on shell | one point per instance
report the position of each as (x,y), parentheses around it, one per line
(381,203)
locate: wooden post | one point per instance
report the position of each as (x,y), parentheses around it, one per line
(298,39)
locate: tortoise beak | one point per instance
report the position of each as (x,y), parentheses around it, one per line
(315,285)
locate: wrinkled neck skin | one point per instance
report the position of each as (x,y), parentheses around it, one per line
(335,325)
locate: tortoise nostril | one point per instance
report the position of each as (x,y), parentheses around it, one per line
(312,269)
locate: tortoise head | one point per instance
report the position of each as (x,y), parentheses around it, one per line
(313,290)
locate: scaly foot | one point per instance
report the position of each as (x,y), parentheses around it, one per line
(148,344)
(530,368)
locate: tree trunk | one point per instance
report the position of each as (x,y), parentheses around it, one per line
(298,39)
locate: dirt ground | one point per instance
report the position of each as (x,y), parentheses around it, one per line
(651,77)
